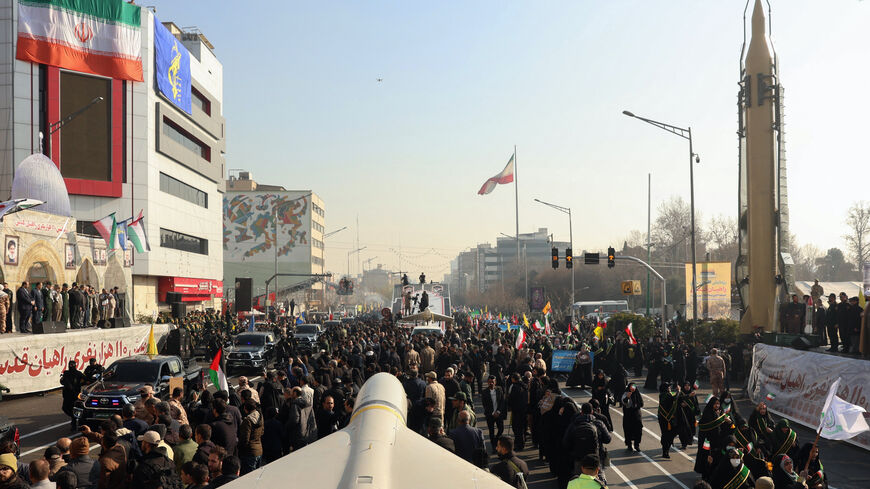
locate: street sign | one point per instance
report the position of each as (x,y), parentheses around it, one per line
(631,287)
(590,258)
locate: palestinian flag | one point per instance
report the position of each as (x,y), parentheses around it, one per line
(630,334)
(136,235)
(91,36)
(521,339)
(216,374)
(108,229)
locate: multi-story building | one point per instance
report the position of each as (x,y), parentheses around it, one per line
(257,216)
(134,150)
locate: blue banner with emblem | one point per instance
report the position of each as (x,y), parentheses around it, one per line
(563,360)
(172,67)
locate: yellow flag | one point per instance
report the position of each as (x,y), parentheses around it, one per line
(152,345)
(485,309)
(546,309)
(862,301)
(525,320)
(599,332)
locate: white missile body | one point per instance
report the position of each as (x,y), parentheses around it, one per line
(375,451)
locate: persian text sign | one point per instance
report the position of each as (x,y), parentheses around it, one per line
(33,363)
(563,360)
(800,380)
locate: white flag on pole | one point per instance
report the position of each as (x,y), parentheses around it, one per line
(840,419)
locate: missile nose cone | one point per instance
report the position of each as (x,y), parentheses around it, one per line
(758,27)
(628,113)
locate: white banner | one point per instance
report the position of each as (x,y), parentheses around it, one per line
(866,279)
(33,363)
(799,382)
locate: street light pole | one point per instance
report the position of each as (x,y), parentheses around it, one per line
(566,210)
(693,158)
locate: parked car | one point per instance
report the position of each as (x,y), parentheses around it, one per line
(9,432)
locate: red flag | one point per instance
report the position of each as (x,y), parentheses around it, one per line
(506,176)
(521,339)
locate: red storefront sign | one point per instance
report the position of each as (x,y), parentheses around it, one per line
(191,289)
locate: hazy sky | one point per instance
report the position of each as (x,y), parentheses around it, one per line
(465,81)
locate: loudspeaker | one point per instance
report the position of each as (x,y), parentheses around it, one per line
(801,343)
(243,293)
(179,310)
(49,327)
(103,324)
(178,343)
(120,322)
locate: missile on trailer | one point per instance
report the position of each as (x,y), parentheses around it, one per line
(375,451)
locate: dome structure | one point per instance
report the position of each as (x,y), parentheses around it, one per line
(37,177)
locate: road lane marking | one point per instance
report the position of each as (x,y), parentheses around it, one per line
(44,430)
(619,473)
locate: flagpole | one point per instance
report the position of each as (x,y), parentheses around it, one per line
(517,203)
(809,458)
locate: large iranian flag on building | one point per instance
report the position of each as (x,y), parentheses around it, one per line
(103,37)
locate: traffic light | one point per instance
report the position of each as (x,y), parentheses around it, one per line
(555,258)
(569,258)
(611,257)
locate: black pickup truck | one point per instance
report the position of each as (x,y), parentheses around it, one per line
(120,383)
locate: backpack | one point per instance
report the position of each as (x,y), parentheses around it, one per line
(585,439)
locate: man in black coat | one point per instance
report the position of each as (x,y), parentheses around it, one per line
(153,465)
(518,401)
(468,441)
(38,304)
(494,408)
(831,322)
(76,303)
(25,307)
(72,380)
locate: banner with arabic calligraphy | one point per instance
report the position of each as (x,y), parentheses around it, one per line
(713,280)
(33,363)
(172,66)
(799,381)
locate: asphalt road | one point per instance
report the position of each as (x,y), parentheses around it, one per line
(41,423)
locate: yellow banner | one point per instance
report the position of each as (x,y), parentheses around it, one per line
(713,281)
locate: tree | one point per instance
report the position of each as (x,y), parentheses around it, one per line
(673,228)
(806,260)
(833,267)
(858,238)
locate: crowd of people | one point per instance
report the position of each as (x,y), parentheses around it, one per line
(77,306)
(200,438)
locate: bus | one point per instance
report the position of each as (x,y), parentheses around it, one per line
(599,309)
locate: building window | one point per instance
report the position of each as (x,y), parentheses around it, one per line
(318,210)
(183,191)
(317,261)
(86,141)
(317,227)
(86,228)
(183,242)
(317,243)
(185,139)
(200,101)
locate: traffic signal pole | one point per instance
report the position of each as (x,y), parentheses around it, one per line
(664,287)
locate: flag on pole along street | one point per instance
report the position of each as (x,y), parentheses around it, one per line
(136,235)
(107,227)
(630,333)
(841,420)
(521,339)
(546,309)
(217,374)
(90,36)
(172,62)
(506,176)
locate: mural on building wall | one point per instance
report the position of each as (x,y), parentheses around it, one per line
(249,223)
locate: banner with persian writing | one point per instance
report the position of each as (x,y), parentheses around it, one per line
(33,363)
(799,382)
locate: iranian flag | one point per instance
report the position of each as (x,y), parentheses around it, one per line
(630,334)
(537,325)
(103,37)
(216,374)
(506,176)
(136,235)
(547,329)
(521,339)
